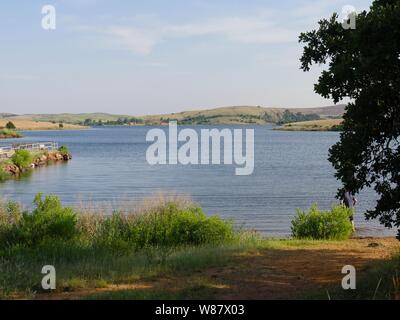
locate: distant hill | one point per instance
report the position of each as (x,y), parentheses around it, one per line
(6,115)
(331,111)
(71,118)
(245,115)
(224,115)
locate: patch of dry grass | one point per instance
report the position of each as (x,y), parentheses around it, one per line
(37,125)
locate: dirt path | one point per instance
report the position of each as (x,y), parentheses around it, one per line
(281,273)
(289,272)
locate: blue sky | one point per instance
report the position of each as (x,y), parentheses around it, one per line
(141,57)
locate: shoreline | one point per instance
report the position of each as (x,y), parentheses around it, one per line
(169,249)
(10,170)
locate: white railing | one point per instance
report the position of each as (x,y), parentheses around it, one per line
(6,151)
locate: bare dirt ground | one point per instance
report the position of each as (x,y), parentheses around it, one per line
(271,273)
(289,272)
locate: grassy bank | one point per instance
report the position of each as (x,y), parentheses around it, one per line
(166,248)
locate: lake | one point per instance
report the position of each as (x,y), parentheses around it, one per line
(291,171)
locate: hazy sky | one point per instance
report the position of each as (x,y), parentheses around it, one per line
(157,56)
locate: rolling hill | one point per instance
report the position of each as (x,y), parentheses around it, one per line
(216,116)
(243,115)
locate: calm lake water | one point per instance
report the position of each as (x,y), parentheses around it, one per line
(291,171)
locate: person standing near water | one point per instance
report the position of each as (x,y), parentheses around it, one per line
(349,201)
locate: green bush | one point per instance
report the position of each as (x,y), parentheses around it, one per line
(22,158)
(48,222)
(330,225)
(63,150)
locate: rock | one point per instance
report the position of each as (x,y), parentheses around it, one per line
(374,245)
(13,169)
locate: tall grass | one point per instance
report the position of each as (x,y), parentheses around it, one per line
(168,224)
(89,248)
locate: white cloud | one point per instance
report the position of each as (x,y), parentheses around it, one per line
(134,39)
(247,30)
(239,29)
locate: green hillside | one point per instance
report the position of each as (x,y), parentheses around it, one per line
(216,116)
(246,115)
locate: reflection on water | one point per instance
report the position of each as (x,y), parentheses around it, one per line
(291,171)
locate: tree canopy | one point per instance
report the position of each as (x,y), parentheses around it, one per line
(363,65)
(10,126)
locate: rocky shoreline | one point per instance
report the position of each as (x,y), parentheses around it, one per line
(39,161)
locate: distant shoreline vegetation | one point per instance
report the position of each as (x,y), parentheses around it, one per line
(243,118)
(9,134)
(9,131)
(234,115)
(313,125)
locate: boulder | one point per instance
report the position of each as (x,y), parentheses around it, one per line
(13,169)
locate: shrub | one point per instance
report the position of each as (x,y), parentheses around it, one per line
(63,150)
(22,158)
(315,224)
(10,126)
(48,222)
